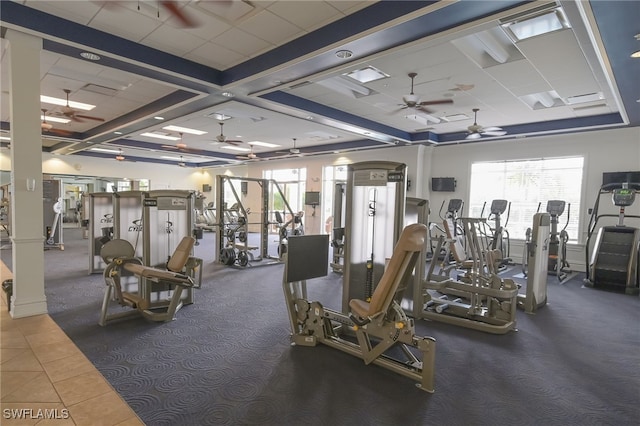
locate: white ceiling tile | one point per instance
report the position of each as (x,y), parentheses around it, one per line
(519,77)
(125,23)
(215,56)
(76,11)
(308,15)
(564,66)
(347,6)
(241,42)
(169,40)
(267,26)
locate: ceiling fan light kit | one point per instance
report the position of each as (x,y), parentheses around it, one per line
(476,131)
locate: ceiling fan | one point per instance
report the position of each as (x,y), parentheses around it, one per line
(223,139)
(293,151)
(48,127)
(73,114)
(413,101)
(181,146)
(249,156)
(476,131)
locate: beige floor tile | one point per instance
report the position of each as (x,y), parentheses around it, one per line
(23,413)
(13,339)
(7,354)
(67,367)
(46,337)
(82,387)
(26,361)
(132,421)
(36,324)
(34,389)
(14,379)
(54,351)
(105,410)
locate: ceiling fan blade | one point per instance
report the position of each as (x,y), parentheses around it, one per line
(436,102)
(88,117)
(494,133)
(232,142)
(59,132)
(397,110)
(473,136)
(186,21)
(492,129)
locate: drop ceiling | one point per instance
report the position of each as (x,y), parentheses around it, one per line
(269,70)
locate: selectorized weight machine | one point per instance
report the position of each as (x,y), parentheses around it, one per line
(375,208)
(100,227)
(369,330)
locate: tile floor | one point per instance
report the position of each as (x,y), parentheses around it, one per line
(46,380)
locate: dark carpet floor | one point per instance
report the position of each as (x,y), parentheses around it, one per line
(226,360)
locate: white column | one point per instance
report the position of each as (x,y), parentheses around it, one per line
(26,175)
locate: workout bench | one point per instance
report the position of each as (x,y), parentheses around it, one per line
(178,276)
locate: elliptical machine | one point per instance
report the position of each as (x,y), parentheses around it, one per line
(453,213)
(558,264)
(499,236)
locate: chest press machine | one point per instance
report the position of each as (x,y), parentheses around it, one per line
(379,324)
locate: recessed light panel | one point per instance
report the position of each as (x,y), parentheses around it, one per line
(365,75)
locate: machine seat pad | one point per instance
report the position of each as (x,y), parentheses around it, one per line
(401,265)
(359,307)
(158,274)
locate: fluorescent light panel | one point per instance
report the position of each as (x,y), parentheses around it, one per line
(159,136)
(110,151)
(264,144)
(235,148)
(537,25)
(63,102)
(185,130)
(52,119)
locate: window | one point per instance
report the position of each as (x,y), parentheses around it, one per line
(292,183)
(526,184)
(331,176)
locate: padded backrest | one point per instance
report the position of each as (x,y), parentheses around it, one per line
(455,245)
(403,260)
(181,254)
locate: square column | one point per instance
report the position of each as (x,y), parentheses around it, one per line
(26,175)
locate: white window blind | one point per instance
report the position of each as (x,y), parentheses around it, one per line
(525,184)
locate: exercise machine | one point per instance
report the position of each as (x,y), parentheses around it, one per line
(100,227)
(455,206)
(537,255)
(153,283)
(52,208)
(380,325)
(416,211)
(557,264)
(613,262)
(479,299)
(128,217)
(234,242)
(498,234)
(337,227)
(375,206)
